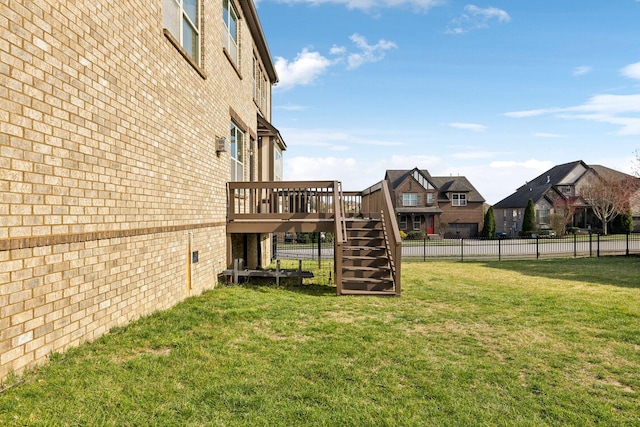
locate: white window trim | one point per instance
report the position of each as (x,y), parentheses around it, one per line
(458,199)
(174,23)
(409,199)
(229,40)
(416,221)
(237,153)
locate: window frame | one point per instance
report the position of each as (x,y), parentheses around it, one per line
(237,136)
(278,164)
(402,222)
(417,223)
(176,29)
(458,199)
(230,38)
(409,197)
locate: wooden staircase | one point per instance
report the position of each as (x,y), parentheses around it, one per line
(367,268)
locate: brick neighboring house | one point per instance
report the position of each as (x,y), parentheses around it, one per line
(122,122)
(446,206)
(564,181)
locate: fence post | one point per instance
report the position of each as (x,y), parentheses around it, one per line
(424,248)
(590,244)
(575,245)
(627,251)
(499,249)
(537,247)
(598,248)
(462,249)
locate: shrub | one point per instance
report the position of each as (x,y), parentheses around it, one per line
(415,235)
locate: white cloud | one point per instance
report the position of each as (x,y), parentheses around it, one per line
(368,53)
(633,70)
(475,18)
(581,70)
(290,107)
(469,126)
(533,113)
(308,66)
(547,135)
(468,155)
(618,110)
(303,70)
(420,5)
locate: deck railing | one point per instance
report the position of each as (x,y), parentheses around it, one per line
(279,206)
(282,200)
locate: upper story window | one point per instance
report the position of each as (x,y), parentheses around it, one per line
(459,199)
(237,153)
(409,199)
(418,177)
(429,198)
(259,85)
(182,19)
(230,29)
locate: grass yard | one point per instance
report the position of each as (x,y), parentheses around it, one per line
(511,343)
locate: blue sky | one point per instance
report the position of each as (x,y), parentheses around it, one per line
(496,91)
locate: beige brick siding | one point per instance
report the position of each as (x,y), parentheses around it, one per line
(108,170)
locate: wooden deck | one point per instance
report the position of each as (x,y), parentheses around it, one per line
(313,206)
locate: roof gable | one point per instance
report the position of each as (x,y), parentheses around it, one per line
(450,184)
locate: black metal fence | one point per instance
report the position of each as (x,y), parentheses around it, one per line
(319,250)
(586,245)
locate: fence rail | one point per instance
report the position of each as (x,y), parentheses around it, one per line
(591,245)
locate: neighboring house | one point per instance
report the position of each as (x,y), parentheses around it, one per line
(564,181)
(122,123)
(446,206)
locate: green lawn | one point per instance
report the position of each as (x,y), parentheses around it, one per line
(511,343)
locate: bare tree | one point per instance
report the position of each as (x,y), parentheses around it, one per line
(566,207)
(608,197)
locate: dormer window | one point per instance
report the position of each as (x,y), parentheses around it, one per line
(459,199)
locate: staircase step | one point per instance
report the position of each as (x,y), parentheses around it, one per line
(388,292)
(362,268)
(366,284)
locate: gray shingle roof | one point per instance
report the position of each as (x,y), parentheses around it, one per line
(539,186)
(444,184)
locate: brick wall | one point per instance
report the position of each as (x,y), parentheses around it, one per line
(109,177)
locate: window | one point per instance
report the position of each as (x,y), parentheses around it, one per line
(181,18)
(429,198)
(459,199)
(409,199)
(277,164)
(416,223)
(259,85)
(230,29)
(542,216)
(237,153)
(403,222)
(418,177)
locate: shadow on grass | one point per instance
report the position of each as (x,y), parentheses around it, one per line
(622,271)
(260,284)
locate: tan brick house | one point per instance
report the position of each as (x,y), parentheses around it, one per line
(449,207)
(120,124)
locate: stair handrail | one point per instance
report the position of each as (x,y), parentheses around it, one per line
(393,242)
(340,235)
